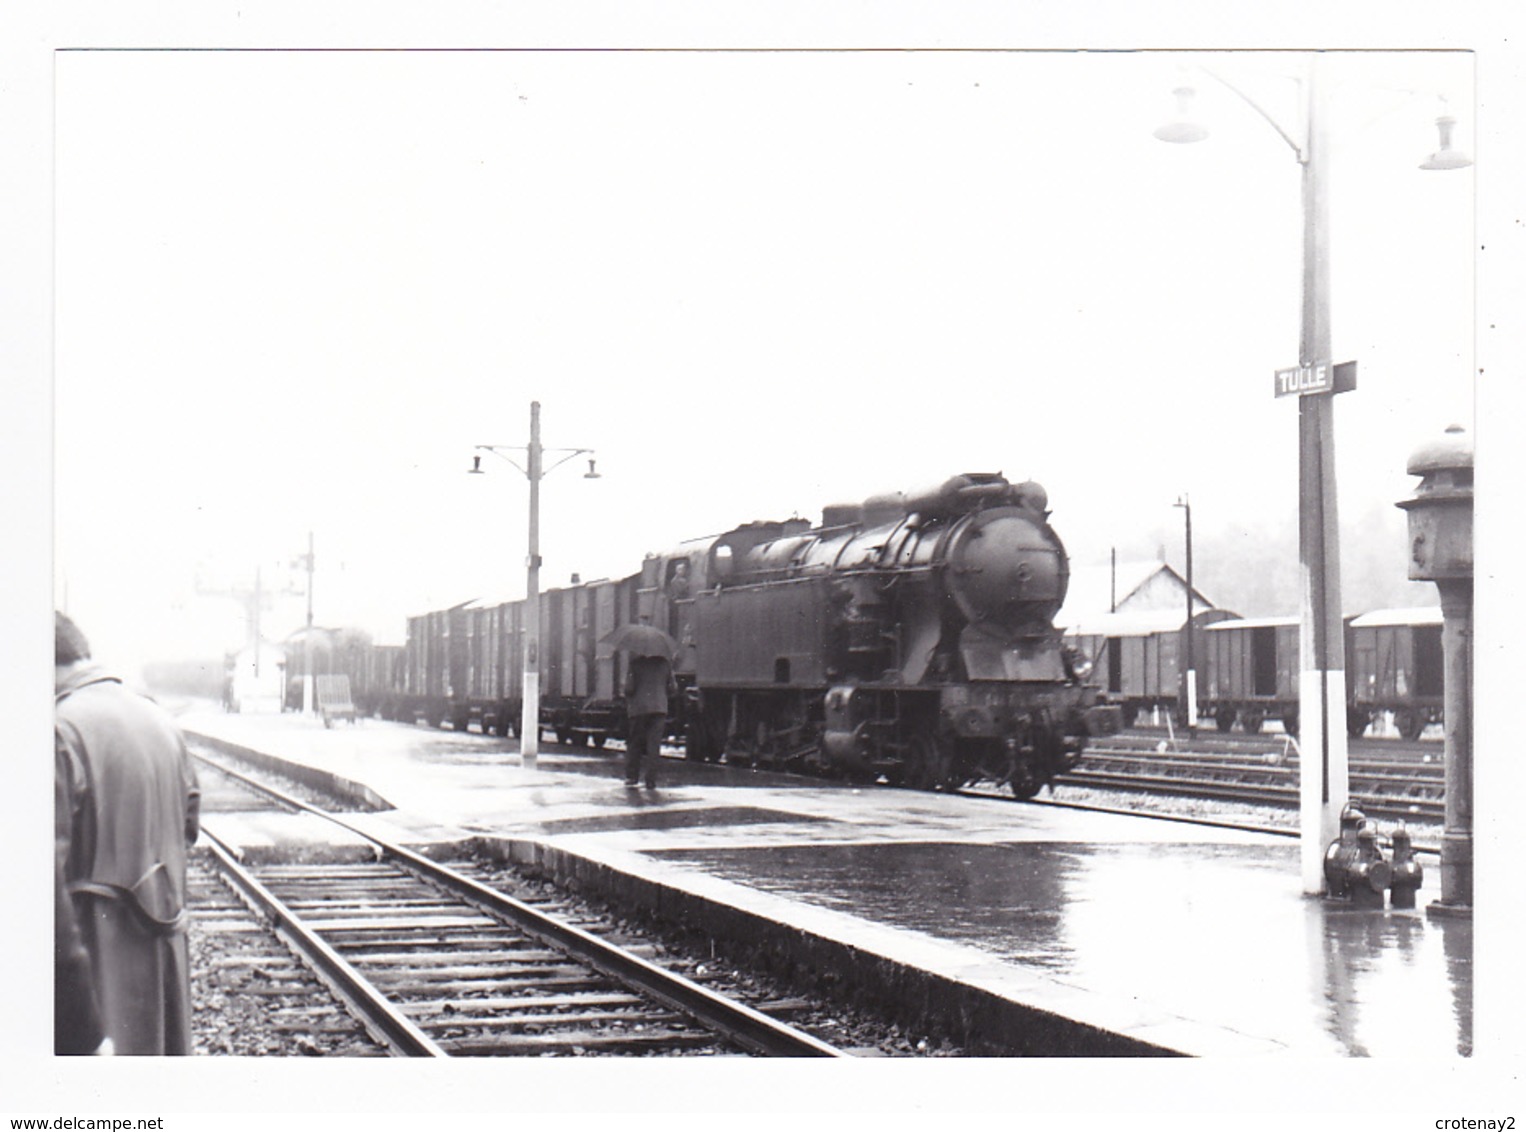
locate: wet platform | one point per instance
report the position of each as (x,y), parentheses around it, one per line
(1037,928)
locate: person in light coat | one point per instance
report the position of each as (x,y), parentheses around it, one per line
(127,807)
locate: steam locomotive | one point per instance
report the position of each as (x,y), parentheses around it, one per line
(910,637)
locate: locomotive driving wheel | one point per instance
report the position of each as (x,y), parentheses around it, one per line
(1025,782)
(1357,720)
(1409,724)
(705,736)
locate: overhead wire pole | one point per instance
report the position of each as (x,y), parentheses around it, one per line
(1324,785)
(1190,687)
(529,721)
(1323,777)
(534,470)
(1323,770)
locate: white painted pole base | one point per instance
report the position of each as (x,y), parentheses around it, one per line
(1321,745)
(529,722)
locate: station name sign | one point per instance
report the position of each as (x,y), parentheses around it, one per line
(1320,377)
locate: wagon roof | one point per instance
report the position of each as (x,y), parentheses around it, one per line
(1418,615)
(1254,623)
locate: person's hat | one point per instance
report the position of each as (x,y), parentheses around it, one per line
(69,644)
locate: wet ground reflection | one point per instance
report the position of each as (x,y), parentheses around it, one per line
(1219,933)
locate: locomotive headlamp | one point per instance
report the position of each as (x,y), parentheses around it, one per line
(1080,664)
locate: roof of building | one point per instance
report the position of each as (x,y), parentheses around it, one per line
(1093,590)
(1126,623)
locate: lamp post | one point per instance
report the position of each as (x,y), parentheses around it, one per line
(1441,551)
(1323,784)
(534,471)
(1190,707)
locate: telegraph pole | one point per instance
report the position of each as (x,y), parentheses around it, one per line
(1323,785)
(1323,769)
(254,600)
(535,471)
(1190,698)
(529,720)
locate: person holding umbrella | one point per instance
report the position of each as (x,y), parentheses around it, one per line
(648,685)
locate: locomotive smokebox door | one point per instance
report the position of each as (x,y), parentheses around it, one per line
(1441,513)
(1006,569)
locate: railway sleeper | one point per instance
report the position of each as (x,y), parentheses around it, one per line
(461,940)
(367,910)
(453,1006)
(541,967)
(460,958)
(540,1022)
(337,928)
(580,1043)
(405,982)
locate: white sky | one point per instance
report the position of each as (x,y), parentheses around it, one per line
(293,291)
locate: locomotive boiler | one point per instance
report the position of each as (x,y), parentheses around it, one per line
(910,636)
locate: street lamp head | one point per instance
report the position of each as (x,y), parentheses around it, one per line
(1182,129)
(591,473)
(1446,157)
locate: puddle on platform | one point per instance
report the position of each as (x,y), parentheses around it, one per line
(1219,933)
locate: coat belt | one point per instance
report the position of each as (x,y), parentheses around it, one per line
(154,882)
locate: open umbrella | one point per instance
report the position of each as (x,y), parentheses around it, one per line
(641,639)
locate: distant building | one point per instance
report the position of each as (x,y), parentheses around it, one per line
(253,677)
(1126,622)
(1149,586)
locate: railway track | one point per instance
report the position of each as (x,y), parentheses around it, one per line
(250,994)
(436,963)
(1389,779)
(1383,783)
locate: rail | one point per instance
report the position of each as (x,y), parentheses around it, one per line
(751,1029)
